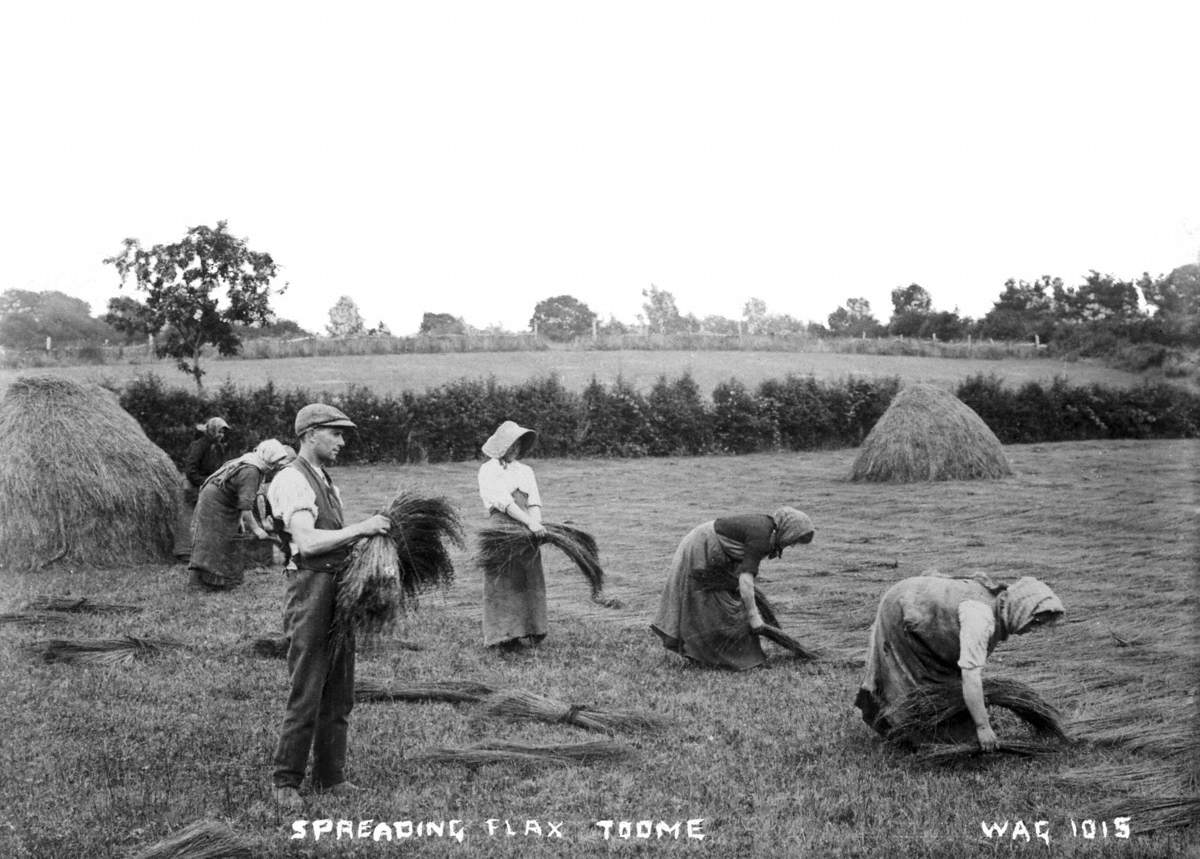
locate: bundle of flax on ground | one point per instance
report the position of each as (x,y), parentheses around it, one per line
(499,544)
(386,574)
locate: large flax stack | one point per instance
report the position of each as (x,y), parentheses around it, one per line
(929,434)
(79,480)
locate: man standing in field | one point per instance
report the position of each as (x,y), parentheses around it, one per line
(308,509)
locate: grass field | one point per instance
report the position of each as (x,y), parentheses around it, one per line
(100,761)
(416,372)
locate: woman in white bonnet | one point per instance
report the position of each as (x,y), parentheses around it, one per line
(514,597)
(708,611)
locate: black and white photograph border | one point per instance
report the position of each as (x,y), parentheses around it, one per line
(850,298)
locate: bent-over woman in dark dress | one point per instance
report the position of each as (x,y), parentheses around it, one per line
(708,611)
(226,505)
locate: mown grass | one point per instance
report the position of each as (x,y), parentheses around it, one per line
(100,761)
(391,374)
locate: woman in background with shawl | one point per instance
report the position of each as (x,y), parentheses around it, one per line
(514,597)
(932,630)
(205,454)
(226,507)
(709,611)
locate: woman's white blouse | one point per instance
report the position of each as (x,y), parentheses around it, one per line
(498,481)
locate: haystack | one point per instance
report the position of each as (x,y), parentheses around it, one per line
(929,434)
(79,481)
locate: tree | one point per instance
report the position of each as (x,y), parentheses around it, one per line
(613,326)
(442,323)
(28,318)
(854,319)
(198,289)
(380,330)
(944,325)
(1023,310)
(130,317)
(719,325)
(1100,297)
(562,318)
(660,313)
(344,319)
(755,316)
(1176,294)
(911,306)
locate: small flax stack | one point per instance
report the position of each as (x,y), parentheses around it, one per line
(500,544)
(387,573)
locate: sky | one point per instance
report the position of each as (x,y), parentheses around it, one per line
(474,158)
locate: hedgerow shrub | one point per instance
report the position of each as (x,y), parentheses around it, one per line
(739,423)
(450,422)
(613,422)
(679,424)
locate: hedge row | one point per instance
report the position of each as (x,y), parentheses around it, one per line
(448,423)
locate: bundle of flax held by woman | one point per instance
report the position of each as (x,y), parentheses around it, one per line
(451,691)
(499,543)
(937,753)
(772,631)
(498,751)
(386,574)
(101,651)
(519,703)
(204,839)
(922,713)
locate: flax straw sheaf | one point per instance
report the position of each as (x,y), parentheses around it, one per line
(204,839)
(453,691)
(773,632)
(518,703)
(102,651)
(496,751)
(79,605)
(386,574)
(32,618)
(929,434)
(79,481)
(499,545)
(937,753)
(922,713)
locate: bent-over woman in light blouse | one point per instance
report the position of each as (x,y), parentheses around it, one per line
(932,629)
(514,597)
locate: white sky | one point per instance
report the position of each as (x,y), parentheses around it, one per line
(475,157)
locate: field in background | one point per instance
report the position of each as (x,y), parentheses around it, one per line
(775,760)
(416,372)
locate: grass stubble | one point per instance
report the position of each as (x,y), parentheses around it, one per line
(104,761)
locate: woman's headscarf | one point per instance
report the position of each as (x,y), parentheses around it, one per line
(1025,598)
(505,436)
(268,456)
(791,526)
(212,427)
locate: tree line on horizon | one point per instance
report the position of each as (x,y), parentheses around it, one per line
(211,289)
